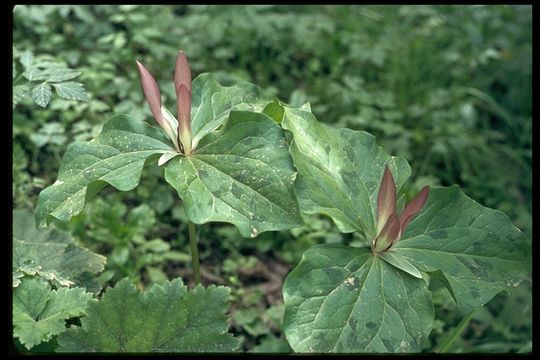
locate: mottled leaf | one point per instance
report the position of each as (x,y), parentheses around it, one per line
(51,254)
(116,157)
(478,250)
(166,318)
(343,299)
(39,313)
(339,171)
(242,174)
(398,261)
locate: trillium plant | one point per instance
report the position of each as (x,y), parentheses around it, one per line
(259,164)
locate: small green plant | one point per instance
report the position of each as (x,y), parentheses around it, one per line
(40,75)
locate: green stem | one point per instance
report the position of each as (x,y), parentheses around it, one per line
(194,252)
(456,333)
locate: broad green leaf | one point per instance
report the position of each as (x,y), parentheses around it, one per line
(42,94)
(51,254)
(339,171)
(39,313)
(343,299)
(242,174)
(211,103)
(71,90)
(166,318)
(478,250)
(116,157)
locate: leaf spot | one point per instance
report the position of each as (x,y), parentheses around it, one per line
(371,325)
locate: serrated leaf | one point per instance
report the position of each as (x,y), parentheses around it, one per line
(211,103)
(35,74)
(41,94)
(60,73)
(479,251)
(343,299)
(116,157)
(166,318)
(242,174)
(39,313)
(339,171)
(71,90)
(51,254)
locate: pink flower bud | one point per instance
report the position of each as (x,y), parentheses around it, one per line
(153,97)
(386,199)
(182,84)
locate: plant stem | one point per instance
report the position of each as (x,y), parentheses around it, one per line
(456,333)
(194,252)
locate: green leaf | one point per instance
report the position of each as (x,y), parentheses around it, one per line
(166,318)
(71,90)
(479,251)
(275,111)
(398,261)
(60,73)
(39,313)
(26,58)
(211,103)
(116,157)
(339,171)
(242,174)
(34,73)
(51,254)
(42,94)
(343,299)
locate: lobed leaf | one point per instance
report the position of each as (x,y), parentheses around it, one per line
(166,318)
(39,313)
(50,254)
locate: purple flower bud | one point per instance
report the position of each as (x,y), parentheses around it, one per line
(153,97)
(386,199)
(182,84)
